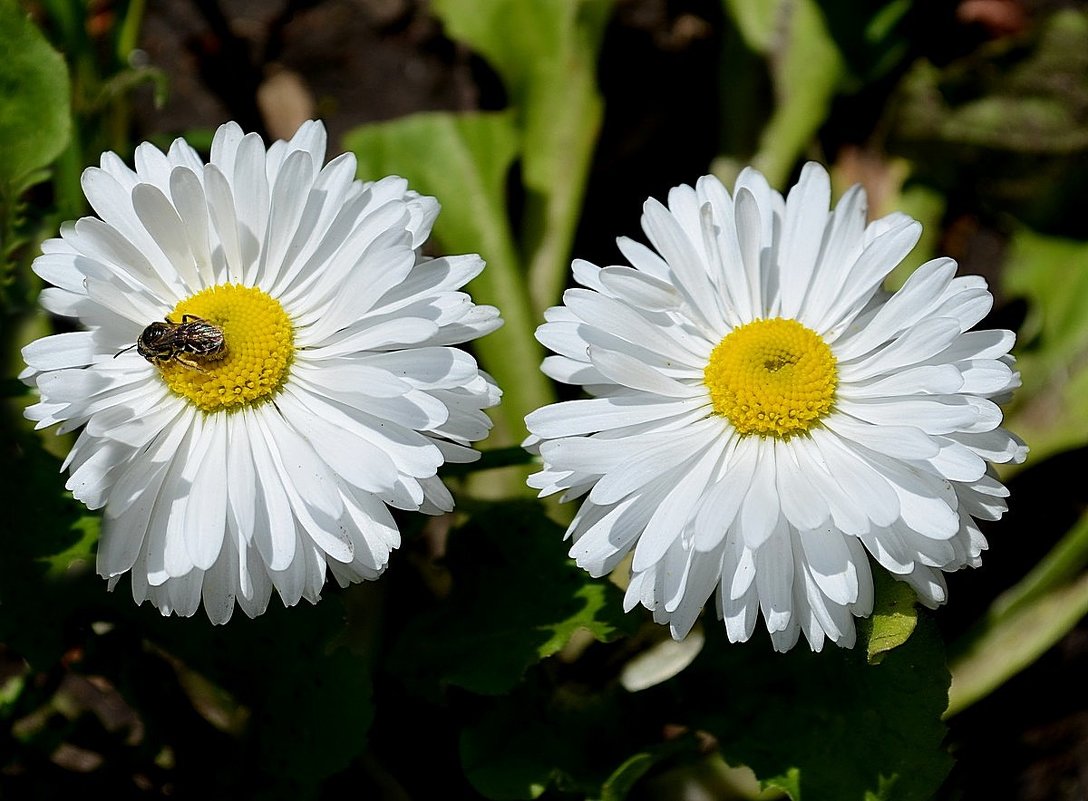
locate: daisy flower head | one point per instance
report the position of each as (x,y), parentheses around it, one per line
(764,414)
(266,366)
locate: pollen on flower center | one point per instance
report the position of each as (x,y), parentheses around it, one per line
(772,378)
(259,348)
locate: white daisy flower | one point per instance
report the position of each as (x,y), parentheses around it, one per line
(266,367)
(764,414)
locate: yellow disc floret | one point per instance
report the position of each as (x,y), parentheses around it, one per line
(254,362)
(772,378)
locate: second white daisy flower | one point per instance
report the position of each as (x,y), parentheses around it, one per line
(765,414)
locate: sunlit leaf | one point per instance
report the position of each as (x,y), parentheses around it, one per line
(79,553)
(894,617)
(1007,646)
(756,20)
(812,52)
(807,71)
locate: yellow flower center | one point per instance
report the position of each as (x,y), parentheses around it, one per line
(259,346)
(772,378)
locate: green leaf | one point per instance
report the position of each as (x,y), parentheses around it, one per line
(788,783)
(626,776)
(1024,622)
(35,121)
(312,725)
(894,617)
(546,53)
(1050,410)
(827,725)
(80,553)
(516,599)
(463,160)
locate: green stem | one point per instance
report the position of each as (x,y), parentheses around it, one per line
(552,217)
(129,35)
(489,460)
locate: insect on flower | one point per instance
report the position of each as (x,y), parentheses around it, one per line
(189,342)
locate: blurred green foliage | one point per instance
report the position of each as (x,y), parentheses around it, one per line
(35,125)
(34,119)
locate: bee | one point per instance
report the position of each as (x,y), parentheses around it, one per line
(190,342)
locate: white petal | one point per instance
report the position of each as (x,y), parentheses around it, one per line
(904,442)
(924,340)
(60,351)
(802,232)
(206,519)
(878,259)
(724,498)
(831,563)
(916,298)
(759,513)
(601,414)
(639,289)
(653,459)
(675,513)
(774,581)
(630,372)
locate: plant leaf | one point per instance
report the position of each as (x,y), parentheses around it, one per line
(894,617)
(624,778)
(47,534)
(1050,410)
(35,120)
